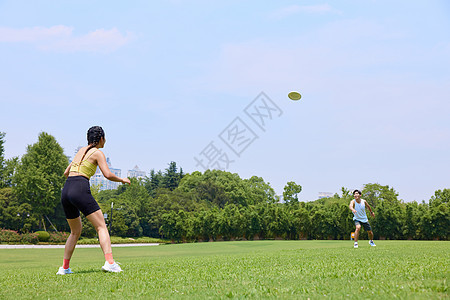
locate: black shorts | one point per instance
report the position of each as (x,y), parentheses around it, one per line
(366,225)
(76,196)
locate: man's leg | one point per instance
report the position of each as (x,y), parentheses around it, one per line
(358,228)
(371,238)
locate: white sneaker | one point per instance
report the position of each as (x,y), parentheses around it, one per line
(371,243)
(63,271)
(107,267)
(355,245)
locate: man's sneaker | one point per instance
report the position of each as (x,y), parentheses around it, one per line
(371,243)
(63,271)
(107,267)
(355,245)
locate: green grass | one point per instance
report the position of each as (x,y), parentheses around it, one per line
(221,270)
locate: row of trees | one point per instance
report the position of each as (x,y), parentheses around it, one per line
(205,206)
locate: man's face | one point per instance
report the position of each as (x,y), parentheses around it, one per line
(357,195)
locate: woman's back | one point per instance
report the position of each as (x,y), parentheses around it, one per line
(81,152)
(84,163)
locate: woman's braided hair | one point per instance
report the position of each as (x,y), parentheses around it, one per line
(94,135)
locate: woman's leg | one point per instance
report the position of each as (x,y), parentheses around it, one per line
(96,218)
(75,232)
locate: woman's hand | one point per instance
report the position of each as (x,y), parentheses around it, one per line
(126,180)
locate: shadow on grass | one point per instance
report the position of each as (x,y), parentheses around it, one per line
(93,271)
(88,271)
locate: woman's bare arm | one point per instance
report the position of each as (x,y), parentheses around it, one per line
(101,162)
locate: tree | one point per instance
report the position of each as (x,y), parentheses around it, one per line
(341,217)
(13,214)
(373,193)
(258,191)
(172,227)
(440,214)
(153,182)
(426,225)
(209,186)
(301,224)
(8,171)
(172,178)
(125,220)
(324,226)
(136,197)
(7,167)
(388,219)
(291,191)
(2,158)
(277,221)
(388,209)
(40,175)
(250,222)
(209,224)
(229,221)
(440,197)
(411,220)
(220,187)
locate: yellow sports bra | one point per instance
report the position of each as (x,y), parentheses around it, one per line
(84,167)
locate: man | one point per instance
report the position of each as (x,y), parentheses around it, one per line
(358,208)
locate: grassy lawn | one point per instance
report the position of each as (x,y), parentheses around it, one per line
(258,269)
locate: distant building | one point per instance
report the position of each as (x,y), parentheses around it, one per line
(105,184)
(325,195)
(136,173)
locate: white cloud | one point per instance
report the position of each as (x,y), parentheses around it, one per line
(60,38)
(295,9)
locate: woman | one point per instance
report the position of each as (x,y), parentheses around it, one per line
(76,196)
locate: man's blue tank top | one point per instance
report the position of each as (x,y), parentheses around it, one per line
(360,211)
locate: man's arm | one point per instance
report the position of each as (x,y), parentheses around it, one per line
(351,206)
(370,209)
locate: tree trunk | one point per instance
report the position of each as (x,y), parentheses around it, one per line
(43,223)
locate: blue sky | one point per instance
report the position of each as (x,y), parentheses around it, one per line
(166,78)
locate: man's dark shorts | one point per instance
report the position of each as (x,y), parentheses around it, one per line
(366,225)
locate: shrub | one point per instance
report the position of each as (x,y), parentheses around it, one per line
(88,241)
(9,236)
(43,236)
(58,237)
(30,238)
(144,239)
(121,240)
